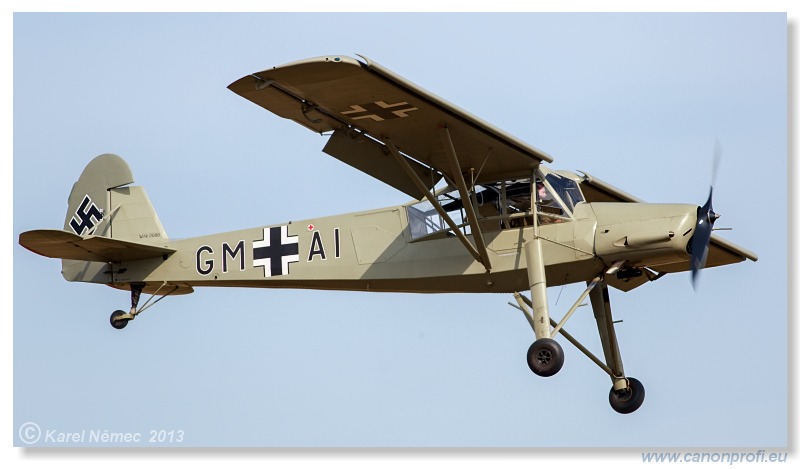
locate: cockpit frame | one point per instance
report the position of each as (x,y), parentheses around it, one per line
(499,205)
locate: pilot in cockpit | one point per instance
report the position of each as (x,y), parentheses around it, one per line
(546,204)
(541,193)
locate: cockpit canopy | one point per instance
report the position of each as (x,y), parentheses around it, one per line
(499,205)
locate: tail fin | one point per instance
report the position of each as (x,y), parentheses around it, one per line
(102,203)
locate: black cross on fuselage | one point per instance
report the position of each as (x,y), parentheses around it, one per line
(275,251)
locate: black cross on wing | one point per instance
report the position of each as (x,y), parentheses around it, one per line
(379,111)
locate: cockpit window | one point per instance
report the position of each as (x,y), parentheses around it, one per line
(499,205)
(567,190)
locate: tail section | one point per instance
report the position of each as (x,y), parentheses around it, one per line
(107,220)
(99,204)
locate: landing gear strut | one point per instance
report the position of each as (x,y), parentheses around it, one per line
(119,319)
(546,357)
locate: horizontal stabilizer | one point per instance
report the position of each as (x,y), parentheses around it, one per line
(65,245)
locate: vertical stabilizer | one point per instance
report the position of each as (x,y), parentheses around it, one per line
(102,203)
(88,204)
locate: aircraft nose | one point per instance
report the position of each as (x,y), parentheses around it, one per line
(710,216)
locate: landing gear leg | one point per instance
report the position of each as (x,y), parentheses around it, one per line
(545,355)
(119,319)
(627,394)
(538,285)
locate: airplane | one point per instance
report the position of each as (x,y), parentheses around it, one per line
(486,215)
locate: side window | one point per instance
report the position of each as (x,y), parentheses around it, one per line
(424,220)
(548,208)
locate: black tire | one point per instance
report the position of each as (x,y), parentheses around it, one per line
(627,400)
(545,357)
(118,323)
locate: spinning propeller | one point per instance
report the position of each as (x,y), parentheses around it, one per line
(705,223)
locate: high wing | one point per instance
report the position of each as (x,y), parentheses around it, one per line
(356,99)
(393,130)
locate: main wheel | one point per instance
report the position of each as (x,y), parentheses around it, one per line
(117,323)
(545,357)
(627,400)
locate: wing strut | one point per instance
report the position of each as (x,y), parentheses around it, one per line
(458,179)
(436,205)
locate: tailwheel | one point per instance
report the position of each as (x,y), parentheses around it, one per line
(119,318)
(628,399)
(545,357)
(117,321)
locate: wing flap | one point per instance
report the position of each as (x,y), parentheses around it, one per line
(367,155)
(60,244)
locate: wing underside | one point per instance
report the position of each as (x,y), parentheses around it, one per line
(362,101)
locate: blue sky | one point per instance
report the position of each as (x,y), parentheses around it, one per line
(634,99)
